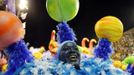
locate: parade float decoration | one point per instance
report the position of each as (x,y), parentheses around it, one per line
(53,44)
(37,52)
(119,64)
(67,60)
(108,29)
(68,52)
(52,47)
(129,61)
(11,35)
(87,51)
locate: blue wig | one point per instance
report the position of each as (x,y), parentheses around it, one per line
(65,33)
(103,49)
(18,55)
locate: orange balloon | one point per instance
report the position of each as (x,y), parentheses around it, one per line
(11,29)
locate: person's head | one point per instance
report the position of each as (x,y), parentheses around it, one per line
(3,58)
(69,53)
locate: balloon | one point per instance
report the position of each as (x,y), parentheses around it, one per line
(109,27)
(11,29)
(128,60)
(62,10)
(119,64)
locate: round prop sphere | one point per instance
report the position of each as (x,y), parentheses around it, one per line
(109,27)
(62,10)
(11,29)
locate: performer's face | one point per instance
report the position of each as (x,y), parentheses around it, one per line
(70,54)
(3,59)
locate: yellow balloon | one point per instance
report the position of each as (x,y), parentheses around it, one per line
(124,67)
(109,27)
(117,63)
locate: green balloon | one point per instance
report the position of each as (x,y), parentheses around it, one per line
(128,60)
(62,10)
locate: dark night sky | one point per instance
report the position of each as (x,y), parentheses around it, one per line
(40,25)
